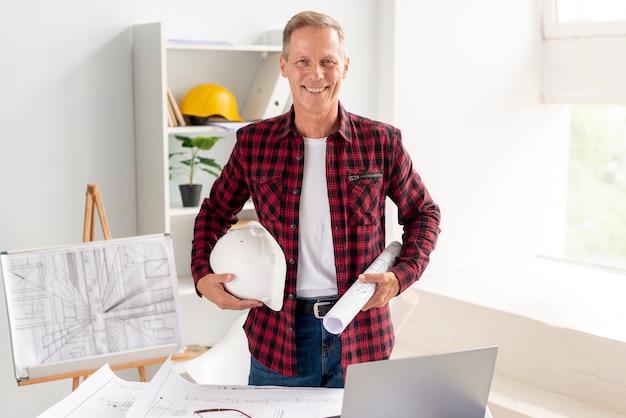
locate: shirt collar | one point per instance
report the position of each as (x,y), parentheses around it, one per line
(289,127)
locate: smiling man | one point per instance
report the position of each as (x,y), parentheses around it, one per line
(314,61)
(319,177)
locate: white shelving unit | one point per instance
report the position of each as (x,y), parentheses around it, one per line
(158,64)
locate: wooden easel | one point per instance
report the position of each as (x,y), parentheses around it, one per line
(93,197)
(93,203)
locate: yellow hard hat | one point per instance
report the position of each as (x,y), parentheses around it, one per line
(206,100)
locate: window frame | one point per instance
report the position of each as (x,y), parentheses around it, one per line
(553,29)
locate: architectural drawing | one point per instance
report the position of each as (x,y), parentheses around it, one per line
(104,394)
(91,299)
(170,395)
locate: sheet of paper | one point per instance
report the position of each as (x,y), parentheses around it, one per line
(69,304)
(346,308)
(102,395)
(170,395)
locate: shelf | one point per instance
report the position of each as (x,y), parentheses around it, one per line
(182,211)
(180,65)
(194,129)
(209,46)
(219,127)
(246,213)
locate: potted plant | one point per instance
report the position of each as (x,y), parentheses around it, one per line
(191,163)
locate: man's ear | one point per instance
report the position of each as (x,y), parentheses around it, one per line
(283,64)
(345,67)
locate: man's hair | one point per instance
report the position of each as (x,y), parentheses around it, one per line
(311,19)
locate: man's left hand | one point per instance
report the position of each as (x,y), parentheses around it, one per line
(387,287)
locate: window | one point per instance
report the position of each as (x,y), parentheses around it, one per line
(583,70)
(588,11)
(595,229)
(569,18)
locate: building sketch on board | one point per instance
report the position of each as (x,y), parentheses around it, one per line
(91,299)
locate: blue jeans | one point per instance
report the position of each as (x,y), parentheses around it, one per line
(319,359)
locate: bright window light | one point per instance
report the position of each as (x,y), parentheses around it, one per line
(590,11)
(596,206)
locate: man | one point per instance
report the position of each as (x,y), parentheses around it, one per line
(318,176)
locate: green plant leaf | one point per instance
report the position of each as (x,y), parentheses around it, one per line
(209,162)
(212,172)
(191,160)
(205,143)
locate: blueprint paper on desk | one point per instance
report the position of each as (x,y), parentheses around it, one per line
(102,395)
(349,305)
(170,395)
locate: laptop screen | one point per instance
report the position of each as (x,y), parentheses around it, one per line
(455,384)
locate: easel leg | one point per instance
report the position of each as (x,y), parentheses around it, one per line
(93,197)
(103,217)
(142,373)
(88,227)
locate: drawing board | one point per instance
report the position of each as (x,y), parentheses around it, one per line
(77,307)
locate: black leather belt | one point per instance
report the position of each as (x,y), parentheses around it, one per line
(318,309)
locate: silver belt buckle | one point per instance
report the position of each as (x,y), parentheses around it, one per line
(316,308)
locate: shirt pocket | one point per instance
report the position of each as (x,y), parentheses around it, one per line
(266,194)
(365,191)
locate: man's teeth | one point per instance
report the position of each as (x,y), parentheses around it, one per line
(315,90)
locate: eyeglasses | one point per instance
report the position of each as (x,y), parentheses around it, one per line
(205,412)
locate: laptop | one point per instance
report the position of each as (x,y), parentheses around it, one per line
(449,385)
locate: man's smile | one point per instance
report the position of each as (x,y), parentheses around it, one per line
(315,89)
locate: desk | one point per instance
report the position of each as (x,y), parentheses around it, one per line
(168,394)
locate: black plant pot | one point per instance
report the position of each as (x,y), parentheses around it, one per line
(190,194)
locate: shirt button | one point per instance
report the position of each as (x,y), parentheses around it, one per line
(296,191)
(292,261)
(290,329)
(299,157)
(291,296)
(292,226)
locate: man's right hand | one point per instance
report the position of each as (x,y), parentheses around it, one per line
(212,287)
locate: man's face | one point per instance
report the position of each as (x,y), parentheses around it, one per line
(315,66)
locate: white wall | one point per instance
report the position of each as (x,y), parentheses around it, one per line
(467,88)
(67,117)
(67,99)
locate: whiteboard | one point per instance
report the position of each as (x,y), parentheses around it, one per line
(77,307)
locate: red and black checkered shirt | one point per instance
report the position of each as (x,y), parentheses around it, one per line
(365,163)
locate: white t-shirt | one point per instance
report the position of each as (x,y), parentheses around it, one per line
(316,261)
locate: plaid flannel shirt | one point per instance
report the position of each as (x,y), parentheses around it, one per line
(365,163)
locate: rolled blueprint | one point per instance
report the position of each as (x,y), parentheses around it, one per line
(346,308)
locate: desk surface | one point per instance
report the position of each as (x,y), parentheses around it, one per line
(168,394)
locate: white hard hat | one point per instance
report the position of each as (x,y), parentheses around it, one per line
(257,261)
